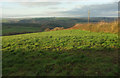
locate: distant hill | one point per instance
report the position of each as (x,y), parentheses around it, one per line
(14,26)
(58,19)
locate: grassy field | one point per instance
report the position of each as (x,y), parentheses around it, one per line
(61,53)
(12,30)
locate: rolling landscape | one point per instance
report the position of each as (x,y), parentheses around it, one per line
(60,46)
(19,26)
(70,51)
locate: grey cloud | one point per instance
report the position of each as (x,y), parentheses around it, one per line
(96,10)
(39,4)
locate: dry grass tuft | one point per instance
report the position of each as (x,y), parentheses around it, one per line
(102,26)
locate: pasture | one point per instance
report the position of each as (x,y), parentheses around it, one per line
(61,53)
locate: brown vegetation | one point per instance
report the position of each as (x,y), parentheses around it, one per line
(102,26)
(55,29)
(47,29)
(107,27)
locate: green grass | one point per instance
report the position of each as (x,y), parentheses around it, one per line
(61,53)
(8,30)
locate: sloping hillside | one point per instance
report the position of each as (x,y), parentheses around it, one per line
(30,25)
(98,27)
(60,53)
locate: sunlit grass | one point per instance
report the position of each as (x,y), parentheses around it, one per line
(61,53)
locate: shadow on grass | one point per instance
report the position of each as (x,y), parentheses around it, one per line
(74,62)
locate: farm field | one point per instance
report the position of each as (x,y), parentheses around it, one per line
(22,26)
(60,38)
(61,53)
(13,30)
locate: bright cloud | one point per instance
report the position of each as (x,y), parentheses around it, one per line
(65,8)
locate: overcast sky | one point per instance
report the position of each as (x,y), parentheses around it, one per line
(55,8)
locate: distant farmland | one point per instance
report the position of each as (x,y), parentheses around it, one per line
(22,26)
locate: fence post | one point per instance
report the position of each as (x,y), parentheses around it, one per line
(89,19)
